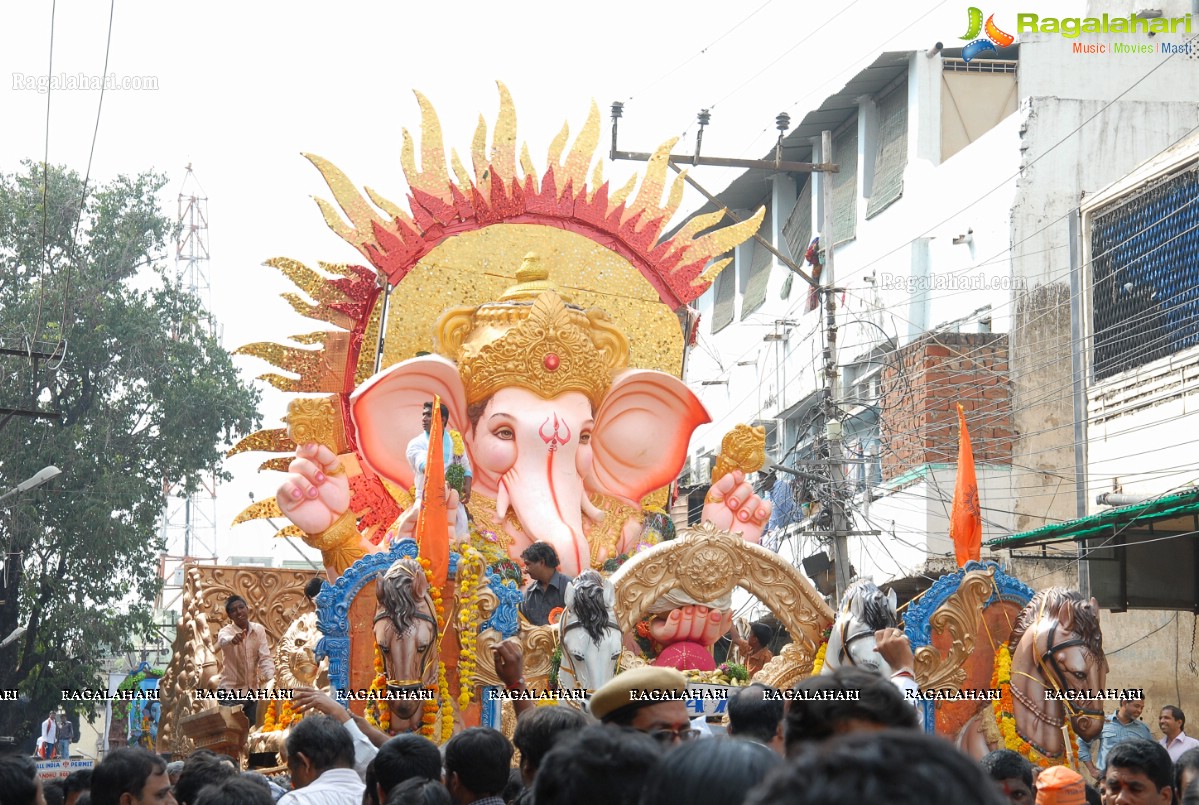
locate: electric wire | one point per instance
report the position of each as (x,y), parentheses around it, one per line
(37,323)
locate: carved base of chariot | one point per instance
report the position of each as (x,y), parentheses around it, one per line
(221,729)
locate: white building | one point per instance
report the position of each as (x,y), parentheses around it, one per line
(951,216)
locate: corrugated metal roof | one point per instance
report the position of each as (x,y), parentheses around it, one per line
(749,190)
(1104,523)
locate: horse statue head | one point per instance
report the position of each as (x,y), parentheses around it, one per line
(864,610)
(588,635)
(407,634)
(1056,645)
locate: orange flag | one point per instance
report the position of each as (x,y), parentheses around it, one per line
(432,524)
(965,521)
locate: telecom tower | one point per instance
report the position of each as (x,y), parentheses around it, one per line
(188,528)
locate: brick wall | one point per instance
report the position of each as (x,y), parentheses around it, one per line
(922,384)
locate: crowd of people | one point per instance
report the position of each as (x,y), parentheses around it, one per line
(633,749)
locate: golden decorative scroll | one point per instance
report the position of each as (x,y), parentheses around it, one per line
(275,596)
(316,420)
(960,616)
(276,600)
(536,642)
(706,563)
(787,668)
(193,667)
(742,448)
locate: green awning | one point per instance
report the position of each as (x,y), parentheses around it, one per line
(1105,523)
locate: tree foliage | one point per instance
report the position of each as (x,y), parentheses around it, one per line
(144,396)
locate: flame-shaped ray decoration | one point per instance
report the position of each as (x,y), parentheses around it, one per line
(447,199)
(440,206)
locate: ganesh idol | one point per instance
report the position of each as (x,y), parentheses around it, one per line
(564,438)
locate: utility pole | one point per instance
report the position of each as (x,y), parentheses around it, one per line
(832,421)
(836,463)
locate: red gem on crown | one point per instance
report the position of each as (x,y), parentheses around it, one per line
(552,362)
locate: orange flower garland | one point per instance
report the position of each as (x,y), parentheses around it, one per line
(268,721)
(435,592)
(428,718)
(378,714)
(447,709)
(287,715)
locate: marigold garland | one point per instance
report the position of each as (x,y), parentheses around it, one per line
(1005,719)
(428,717)
(378,714)
(818,663)
(435,593)
(472,575)
(447,709)
(287,715)
(279,716)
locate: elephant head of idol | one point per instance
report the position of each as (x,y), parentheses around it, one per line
(549,410)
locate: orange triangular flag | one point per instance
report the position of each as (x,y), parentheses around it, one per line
(965,521)
(432,525)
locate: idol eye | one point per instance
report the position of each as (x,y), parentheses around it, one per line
(504,432)
(585,437)
(578,657)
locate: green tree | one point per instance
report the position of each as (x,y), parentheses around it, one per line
(140,394)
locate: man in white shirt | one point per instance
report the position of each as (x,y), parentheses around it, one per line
(418,454)
(320,758)
(45,744)
(1171,722)
(247,663)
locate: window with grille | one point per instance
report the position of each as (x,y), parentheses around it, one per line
(1145,275)
(845,184)
(892,154)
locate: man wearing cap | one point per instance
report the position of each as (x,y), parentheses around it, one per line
(1058,785)
(650,700)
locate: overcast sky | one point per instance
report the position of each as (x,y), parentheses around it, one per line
(243,88)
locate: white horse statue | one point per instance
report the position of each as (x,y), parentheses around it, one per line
(864,610)
(588,636)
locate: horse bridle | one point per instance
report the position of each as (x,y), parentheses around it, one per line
(1058,677)
(843,655)
(428,653)
(569,661)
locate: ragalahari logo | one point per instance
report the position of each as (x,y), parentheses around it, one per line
(994,36)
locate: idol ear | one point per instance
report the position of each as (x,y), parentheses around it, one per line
(386,412)
(568,596)
(892,599)
(642,431)
(609,594)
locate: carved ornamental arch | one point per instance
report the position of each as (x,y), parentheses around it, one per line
(706,563)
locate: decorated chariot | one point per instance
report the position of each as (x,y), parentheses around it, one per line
(550,316)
